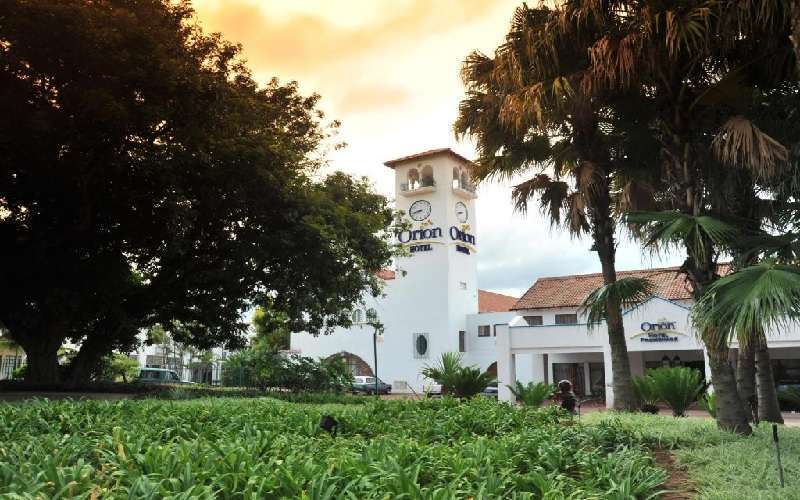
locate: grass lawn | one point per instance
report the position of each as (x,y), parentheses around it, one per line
(719,464)
(263,448)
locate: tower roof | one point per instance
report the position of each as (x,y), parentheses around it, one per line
(427,154)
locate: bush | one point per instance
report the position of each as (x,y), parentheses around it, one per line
(677,386)
(646,394)
(118,367)
(460,381)
(531,394)
(259,367)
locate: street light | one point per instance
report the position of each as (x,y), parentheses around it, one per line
(377,326)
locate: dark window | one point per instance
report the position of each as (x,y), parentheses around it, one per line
(494,330)
(566,319)
(462,341)
(421,345)
(533,320)
(484,331)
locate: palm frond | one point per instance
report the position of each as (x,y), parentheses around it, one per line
(627,292)
(741,143)
(699,234)
(751,300)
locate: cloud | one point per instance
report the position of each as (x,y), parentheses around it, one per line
(372,99)
(304,42)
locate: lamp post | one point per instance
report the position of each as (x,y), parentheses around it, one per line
(377,327)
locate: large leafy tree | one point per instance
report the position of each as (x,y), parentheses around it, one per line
(530,115)
(699,62)
(146,178)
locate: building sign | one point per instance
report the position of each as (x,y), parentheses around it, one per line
(419,234)
(660,331)
(420,248)
(462,249)
(458,235)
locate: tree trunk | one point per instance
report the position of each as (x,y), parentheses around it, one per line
(768,408)
(41,360)
(88,361)
(746,380)
(795,28)
(730,411)
(624,395)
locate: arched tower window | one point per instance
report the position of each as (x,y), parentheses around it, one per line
(456,177)
(372,315)
(427,176)
(356,316)
(413,179)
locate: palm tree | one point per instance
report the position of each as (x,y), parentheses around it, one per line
(696,60)
(527,111)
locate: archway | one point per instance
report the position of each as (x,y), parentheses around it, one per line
(427,176)
(356,365)
(492,369)
(413,179)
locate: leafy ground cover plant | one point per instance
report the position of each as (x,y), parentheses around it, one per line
(531,394)
(262,448)
(720,465)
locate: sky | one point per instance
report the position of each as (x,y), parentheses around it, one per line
(389,71)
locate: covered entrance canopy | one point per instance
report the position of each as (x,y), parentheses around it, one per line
(658,333)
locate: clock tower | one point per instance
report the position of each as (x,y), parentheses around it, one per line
(436,284)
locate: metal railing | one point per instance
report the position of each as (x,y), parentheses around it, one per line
(406,186)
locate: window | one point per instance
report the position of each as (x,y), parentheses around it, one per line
(533,320)
(357,318)
(462,285)
(427,176)
(484,331)
(462,341)
(566,319)
(372,315)
(413,179)
(420,345)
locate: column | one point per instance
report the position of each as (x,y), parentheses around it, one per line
(637,362)
(538,367)
(506,371)
(609,376)
(587,379)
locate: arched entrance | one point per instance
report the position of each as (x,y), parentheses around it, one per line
(355,364)
(492,369)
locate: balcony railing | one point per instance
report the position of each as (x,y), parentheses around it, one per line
(424,183)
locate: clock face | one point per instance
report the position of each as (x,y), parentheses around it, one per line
(461,212)
(420,210)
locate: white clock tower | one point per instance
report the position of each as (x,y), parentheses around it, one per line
(437,283)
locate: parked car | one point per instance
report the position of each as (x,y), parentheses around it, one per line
(490,390)
(366,385)
(158,376)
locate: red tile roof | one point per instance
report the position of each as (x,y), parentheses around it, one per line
(494,302)
(569,291)
(427,154)
(386,274)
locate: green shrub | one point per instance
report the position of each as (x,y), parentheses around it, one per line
(259,367)
(531,394)
(646,394)
(455,379)
(677,386)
